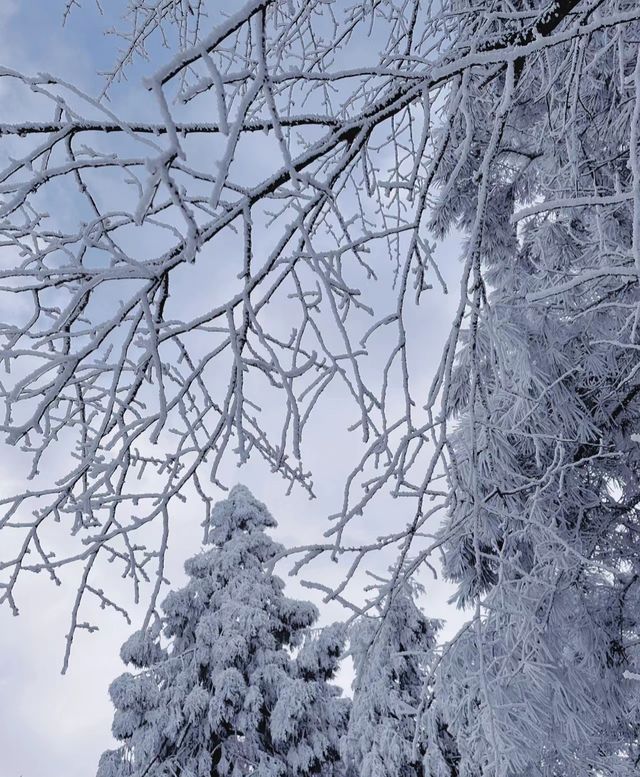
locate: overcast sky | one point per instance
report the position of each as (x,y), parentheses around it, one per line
(52,725)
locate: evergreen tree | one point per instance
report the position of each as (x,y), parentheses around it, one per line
(391,652)
(223,695)
(543,533)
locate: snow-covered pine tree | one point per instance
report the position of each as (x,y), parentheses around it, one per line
(225,693)
(543,537)
(391,653)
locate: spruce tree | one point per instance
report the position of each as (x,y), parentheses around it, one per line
(230,681)
(391,653)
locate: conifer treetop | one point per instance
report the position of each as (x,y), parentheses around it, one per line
(221,691)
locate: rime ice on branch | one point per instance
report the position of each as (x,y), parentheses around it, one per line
(384,126)
(218,691)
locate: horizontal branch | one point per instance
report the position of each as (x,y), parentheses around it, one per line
(72,127)
(585,277)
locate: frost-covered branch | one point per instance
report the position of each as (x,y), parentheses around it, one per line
(195,282)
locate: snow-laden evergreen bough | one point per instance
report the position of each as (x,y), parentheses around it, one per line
(382,126)
(542,534)
(218,690)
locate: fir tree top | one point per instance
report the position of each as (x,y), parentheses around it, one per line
(222,695)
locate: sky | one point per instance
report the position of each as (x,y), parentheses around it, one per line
(54,725)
